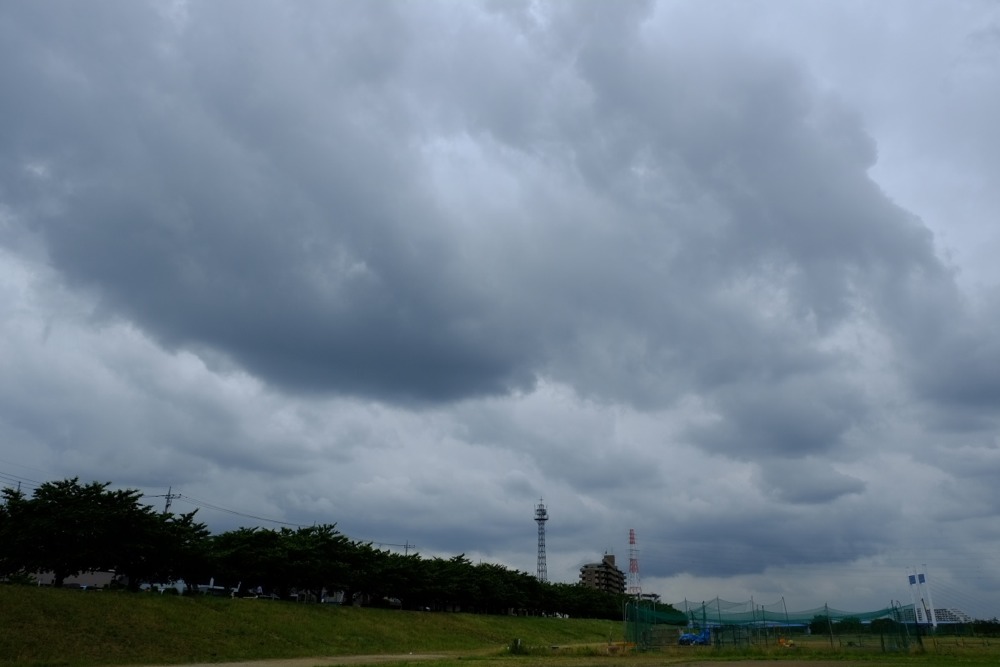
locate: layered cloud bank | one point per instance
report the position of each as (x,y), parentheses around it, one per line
(409,268)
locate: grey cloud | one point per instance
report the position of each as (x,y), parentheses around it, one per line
(300,239)
(958,369)
(750,539)
(583,452)
(314,269)
(807,482)
(799,417)
(462,256)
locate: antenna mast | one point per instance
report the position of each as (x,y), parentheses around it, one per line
(541,516)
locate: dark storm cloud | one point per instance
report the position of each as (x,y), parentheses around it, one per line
(806,482)
(204,205)
(749,542)
(299,239)
(411,267)
(960,371)
(796,417)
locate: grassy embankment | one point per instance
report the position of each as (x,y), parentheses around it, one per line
(41,626)
(44,627)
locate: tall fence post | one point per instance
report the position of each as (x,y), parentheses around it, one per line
(829,622)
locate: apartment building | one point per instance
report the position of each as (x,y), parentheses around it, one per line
(604,576)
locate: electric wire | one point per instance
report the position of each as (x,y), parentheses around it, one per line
(11,480)
(959,591)
(191,500)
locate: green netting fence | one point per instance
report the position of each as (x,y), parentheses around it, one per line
(721,622)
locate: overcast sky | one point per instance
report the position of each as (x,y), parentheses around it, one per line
(722,272)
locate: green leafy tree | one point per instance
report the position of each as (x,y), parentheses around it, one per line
(370,571)
(464,584)
(320,558)
(305,559)
(884,626)
(847,626)
(987,628)
(63,525)
(581,601)
(137,539)
(254,557)
(68,528)
(820,625)
(159,547)
(497,593)
(191,556)
(400,575)
(13,537)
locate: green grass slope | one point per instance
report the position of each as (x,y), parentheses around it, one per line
(49,627)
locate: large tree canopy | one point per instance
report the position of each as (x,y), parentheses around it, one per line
(67,528)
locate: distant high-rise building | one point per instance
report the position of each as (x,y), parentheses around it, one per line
(603,576)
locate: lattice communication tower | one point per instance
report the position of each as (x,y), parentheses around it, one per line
(634,587)
(541,516)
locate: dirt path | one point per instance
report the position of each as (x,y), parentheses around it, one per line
(315,662)
(773,663)
(415,657)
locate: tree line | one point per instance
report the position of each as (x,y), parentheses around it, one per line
(822,625)
(68,528)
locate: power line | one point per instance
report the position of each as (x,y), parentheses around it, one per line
(406,547)
(11,479)
(207,505)
(204,503)
(21,465)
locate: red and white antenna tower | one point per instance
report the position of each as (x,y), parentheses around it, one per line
(634,588)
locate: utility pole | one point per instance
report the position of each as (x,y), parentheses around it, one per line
(405,547)
(169,497)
